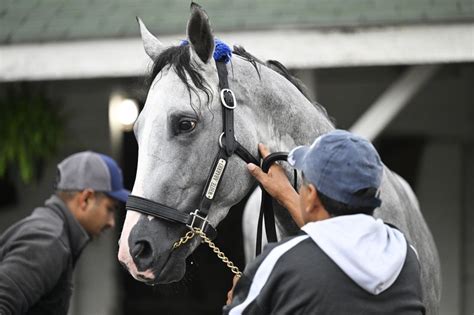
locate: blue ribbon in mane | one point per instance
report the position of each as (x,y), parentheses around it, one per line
(222,52)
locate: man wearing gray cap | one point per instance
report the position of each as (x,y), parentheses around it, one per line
(38,253)
(344,261)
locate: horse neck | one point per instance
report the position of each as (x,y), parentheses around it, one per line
(283,116)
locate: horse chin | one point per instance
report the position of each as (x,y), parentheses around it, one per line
(173,269)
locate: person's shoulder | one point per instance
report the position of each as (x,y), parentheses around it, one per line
(291,249)
(273,252)
(276,265)
(37,236)
(46,221)
(41,224)
(288,239)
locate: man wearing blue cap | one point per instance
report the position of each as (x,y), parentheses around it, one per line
(38,253)
(344,261)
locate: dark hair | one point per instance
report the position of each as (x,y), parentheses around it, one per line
(336,208)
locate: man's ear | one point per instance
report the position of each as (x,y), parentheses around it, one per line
(311,197)
(85,198)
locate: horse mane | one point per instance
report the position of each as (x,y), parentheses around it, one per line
(279,68)
(179,58)
(275,66)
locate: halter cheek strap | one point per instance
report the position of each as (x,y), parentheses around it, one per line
(228,103)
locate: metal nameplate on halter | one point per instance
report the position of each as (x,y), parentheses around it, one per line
(195,215)
(224,103)
(216,177)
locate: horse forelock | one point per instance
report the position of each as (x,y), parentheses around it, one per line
(179,58)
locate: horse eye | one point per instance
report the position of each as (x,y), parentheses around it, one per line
(186,125)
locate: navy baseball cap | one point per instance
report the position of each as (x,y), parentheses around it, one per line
(92,170)
(341,165)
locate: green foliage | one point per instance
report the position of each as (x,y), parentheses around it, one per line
(30,131)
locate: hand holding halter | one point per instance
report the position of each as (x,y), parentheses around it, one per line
(275,181)
(275,184)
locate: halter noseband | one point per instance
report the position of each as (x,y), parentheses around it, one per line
(228,145)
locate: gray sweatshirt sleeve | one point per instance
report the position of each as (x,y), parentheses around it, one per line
(31,265)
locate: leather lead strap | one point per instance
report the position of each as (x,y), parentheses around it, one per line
(266,207)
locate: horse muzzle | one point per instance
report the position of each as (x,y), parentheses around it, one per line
(146,252)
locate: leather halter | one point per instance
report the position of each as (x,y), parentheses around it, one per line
(228,146)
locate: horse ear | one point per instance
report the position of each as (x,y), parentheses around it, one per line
(153,47)
(200,34)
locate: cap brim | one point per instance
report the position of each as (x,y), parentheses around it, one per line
(297,155)
(120,195)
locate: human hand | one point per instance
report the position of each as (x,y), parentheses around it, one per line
(231,291)
(277,184)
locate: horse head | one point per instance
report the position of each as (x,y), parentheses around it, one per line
(178,136)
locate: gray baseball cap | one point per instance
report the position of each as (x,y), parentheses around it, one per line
(340,165)
(92,170)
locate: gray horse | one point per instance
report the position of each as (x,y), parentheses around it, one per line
(177,134)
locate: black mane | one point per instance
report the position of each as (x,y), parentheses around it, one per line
(179,58)
(275,66)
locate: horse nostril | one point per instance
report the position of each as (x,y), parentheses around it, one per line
(142,249)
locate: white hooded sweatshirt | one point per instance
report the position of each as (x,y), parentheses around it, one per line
(368,251)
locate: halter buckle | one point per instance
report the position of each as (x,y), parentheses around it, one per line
(223,101)
(195,221)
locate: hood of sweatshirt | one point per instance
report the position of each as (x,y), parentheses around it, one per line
(370,252)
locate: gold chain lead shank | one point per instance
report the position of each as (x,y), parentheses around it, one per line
(190,234)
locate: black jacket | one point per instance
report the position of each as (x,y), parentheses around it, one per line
(37,258)
(302,279)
